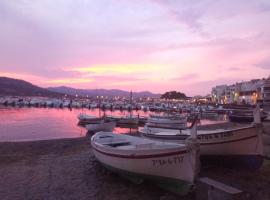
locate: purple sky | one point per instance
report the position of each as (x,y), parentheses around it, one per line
(156,45)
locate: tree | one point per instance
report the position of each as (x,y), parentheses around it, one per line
(174,95)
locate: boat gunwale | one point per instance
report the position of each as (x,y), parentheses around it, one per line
(220,131)
(141,156)
(175,137)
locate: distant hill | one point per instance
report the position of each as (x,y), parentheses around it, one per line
(16,87)
(99,92)
(174,95)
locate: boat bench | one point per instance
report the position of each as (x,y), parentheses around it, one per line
(209,189)
(116,143)
(144,146)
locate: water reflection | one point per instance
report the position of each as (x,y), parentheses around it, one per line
(23,124)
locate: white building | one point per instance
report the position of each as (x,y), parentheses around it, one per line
(248,92)
(266,93)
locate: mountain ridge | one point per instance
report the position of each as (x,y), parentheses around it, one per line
(100,92)
(17,87)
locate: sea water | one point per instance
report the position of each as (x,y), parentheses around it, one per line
(30,123)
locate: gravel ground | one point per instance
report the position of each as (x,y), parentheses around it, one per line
(67,169)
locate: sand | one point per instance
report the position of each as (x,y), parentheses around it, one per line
(67,169)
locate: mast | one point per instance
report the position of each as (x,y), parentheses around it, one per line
(130,102)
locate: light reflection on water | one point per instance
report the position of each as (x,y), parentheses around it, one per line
(24,124)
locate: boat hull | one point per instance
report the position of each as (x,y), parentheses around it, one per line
(107,126)
(237,118)
(165,125)
(84,119)
(176,186)
(242,144)
(174,168)
(129,121)
(251,162)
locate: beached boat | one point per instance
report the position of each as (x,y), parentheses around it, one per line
(84,118)
(103,126)
(170,165)
(242,144)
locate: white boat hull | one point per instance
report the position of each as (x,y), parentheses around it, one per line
(106,126)
(83,118)
(240,141)
(167,123)
(245,141)
(130,121)
(164,165)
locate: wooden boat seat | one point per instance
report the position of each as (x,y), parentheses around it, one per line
(116,143)
(144,146)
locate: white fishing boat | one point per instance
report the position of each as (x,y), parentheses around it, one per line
(167,116)
(103,126)
(241,143)
(170,165)
(173,123)
(84,118)
(209,113)
(129,120)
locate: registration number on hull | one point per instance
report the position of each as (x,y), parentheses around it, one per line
(168,161)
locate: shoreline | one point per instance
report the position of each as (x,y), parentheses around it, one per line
(200,127)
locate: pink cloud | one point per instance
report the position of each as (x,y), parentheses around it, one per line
(163,45)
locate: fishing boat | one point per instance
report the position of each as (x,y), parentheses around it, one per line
(88,119)
(129,120)
(241,144)
(168,122)
(171,166)
(103,126)
(167,116)
(209,113)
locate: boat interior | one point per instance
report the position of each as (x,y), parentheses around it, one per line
(124,142)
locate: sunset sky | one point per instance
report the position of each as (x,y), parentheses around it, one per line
(155,45)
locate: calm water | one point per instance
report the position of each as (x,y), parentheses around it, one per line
(24,124)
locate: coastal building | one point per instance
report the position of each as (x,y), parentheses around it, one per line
(266,93)
(246,92)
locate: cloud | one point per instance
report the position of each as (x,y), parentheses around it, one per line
(234,69)
(204,87)
(113,68)
(150,44)
(69,81)
(187,77)
(264,64)
(185,13)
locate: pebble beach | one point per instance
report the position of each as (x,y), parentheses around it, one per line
(67,169)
